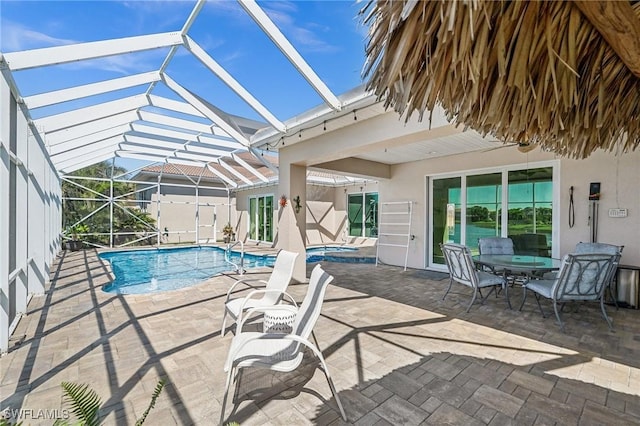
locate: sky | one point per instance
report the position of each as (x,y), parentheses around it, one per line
(328,34)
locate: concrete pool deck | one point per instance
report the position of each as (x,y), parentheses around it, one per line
(398,353)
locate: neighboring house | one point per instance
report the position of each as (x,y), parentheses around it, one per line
(188,203)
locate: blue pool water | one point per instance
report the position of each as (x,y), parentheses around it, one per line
(148,271)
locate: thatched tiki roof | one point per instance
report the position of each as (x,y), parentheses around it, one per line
(531,72)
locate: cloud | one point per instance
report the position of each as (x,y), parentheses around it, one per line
(166,14)
(303,37)
(17,37)
(123,64)
(231,57)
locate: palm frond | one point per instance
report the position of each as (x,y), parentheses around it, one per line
(84,402)
(152,403)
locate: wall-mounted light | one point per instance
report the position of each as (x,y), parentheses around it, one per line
(296,204)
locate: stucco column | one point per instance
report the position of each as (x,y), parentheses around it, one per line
(292,229)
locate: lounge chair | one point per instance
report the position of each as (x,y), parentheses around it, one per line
(272,294)
(281,352)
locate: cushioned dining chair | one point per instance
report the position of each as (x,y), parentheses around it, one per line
(584,248)
(282,352)
(495,245)
(273,292)
(462,270)
(582,277)
(593,248)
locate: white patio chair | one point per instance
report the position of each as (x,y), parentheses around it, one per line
(282,352)
(462,270)
(582,277)
(272,294)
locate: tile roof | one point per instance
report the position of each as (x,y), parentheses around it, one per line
(196,171)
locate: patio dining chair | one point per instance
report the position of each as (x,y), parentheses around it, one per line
(593,248)
(582,277)
(495,245)
(282,352)
(583,248)
(462,270)
(272,294)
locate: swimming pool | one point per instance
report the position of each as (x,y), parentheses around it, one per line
(148,271)
(327,253)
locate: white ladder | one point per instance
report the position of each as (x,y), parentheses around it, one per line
(394,227)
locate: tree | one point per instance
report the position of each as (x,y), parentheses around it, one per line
(478,214)
(88,202)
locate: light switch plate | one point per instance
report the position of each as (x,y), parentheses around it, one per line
(617,212)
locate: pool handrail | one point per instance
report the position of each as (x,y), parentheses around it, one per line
(239,268)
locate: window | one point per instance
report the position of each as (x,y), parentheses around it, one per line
(362,211)
(261,218)
(510,203)
(530,210)
(446,214)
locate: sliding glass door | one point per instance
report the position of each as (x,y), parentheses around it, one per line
(484,208)
(446,214)
(261,218)
(515,203)
(530,210)
(362,212)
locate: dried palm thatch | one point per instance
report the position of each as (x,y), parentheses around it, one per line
(532,72)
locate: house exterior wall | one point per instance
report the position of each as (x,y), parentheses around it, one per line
(325,209)
(179,215)
(242,209)
(617,175)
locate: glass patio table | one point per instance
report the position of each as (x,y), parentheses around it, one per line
(527,266)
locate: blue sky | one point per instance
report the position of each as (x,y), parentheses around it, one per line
(328,34)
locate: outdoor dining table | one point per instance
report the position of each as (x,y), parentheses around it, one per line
(525,265)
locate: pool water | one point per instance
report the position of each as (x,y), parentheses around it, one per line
(149,271)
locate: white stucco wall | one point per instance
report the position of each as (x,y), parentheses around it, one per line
(325,208)
(619,178)
(178,212)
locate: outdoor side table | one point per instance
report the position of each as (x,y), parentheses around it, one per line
(279,320)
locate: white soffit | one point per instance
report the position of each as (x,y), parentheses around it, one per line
(458,143)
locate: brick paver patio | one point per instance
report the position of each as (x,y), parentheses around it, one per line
(397,352)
